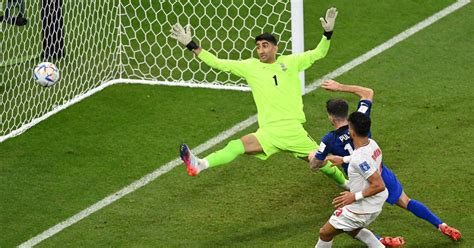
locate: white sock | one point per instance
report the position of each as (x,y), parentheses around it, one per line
(369,239)
(345,185)
(441,225)
(323,244)
(203,164)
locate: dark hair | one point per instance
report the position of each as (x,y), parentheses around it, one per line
(268,37)
(337,108)
(360,123)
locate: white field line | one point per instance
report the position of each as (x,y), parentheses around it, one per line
(389,43)
(52,112)
(189,84)
(235,129)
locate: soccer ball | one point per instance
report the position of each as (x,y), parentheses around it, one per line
(46,74)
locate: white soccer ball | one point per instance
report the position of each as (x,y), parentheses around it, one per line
(46,74)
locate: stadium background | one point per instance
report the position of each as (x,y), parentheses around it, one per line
(423,120)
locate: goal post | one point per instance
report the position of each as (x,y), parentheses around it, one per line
(102,43)
(297,33)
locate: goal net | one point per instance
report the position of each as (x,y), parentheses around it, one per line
(99,43)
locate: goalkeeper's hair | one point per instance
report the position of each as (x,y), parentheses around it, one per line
(268,37)
(360,123)
(338,108)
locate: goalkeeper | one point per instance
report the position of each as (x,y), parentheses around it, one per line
(276,90)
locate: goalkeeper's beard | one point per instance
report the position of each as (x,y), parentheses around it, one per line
(265,58)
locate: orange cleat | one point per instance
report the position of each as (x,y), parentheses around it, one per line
(392,242)
(451,232)
(189,160)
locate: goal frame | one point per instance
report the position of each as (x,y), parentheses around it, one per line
(297,46)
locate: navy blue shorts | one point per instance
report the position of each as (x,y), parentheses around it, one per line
(392,184)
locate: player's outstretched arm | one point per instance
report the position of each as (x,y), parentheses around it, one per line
(306,59)
(363,92)
(184,36)
(334,159)
(328,22)
(314,163)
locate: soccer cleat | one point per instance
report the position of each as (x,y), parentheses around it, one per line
(392,242)
(451,232)
(191,161)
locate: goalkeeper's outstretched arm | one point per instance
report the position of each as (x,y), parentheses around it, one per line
(306,59)
(184,36)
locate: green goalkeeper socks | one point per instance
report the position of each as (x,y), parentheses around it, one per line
(334,173)
(233,149)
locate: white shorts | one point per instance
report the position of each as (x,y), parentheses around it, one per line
(345,220)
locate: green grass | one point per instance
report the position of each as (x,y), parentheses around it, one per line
(422,117)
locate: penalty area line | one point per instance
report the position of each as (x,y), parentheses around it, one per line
(237,128)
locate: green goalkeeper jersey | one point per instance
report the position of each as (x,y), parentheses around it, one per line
(276,87)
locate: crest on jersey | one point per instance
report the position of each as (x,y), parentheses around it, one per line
(283,67)
(364,166)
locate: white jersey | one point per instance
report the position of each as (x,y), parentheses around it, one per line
(365,161)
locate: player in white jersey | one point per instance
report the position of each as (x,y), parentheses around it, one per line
(359,207)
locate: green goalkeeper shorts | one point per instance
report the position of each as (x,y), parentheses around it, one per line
(285,136)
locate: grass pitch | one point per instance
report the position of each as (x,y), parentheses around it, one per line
(422,117)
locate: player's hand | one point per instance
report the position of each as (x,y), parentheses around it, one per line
(345,198)
(315,164)
(183,35)
(329,20)
(331,85)
(311,155)
(335,160)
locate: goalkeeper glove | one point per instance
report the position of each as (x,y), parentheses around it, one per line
(183,35)
(328,22)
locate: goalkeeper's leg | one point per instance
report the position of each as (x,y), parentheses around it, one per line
(233,149)
(335,174)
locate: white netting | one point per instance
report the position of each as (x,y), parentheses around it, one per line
(125,40)
(226,28)
(90,38)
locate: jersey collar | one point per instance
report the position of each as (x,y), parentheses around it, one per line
(342,129)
